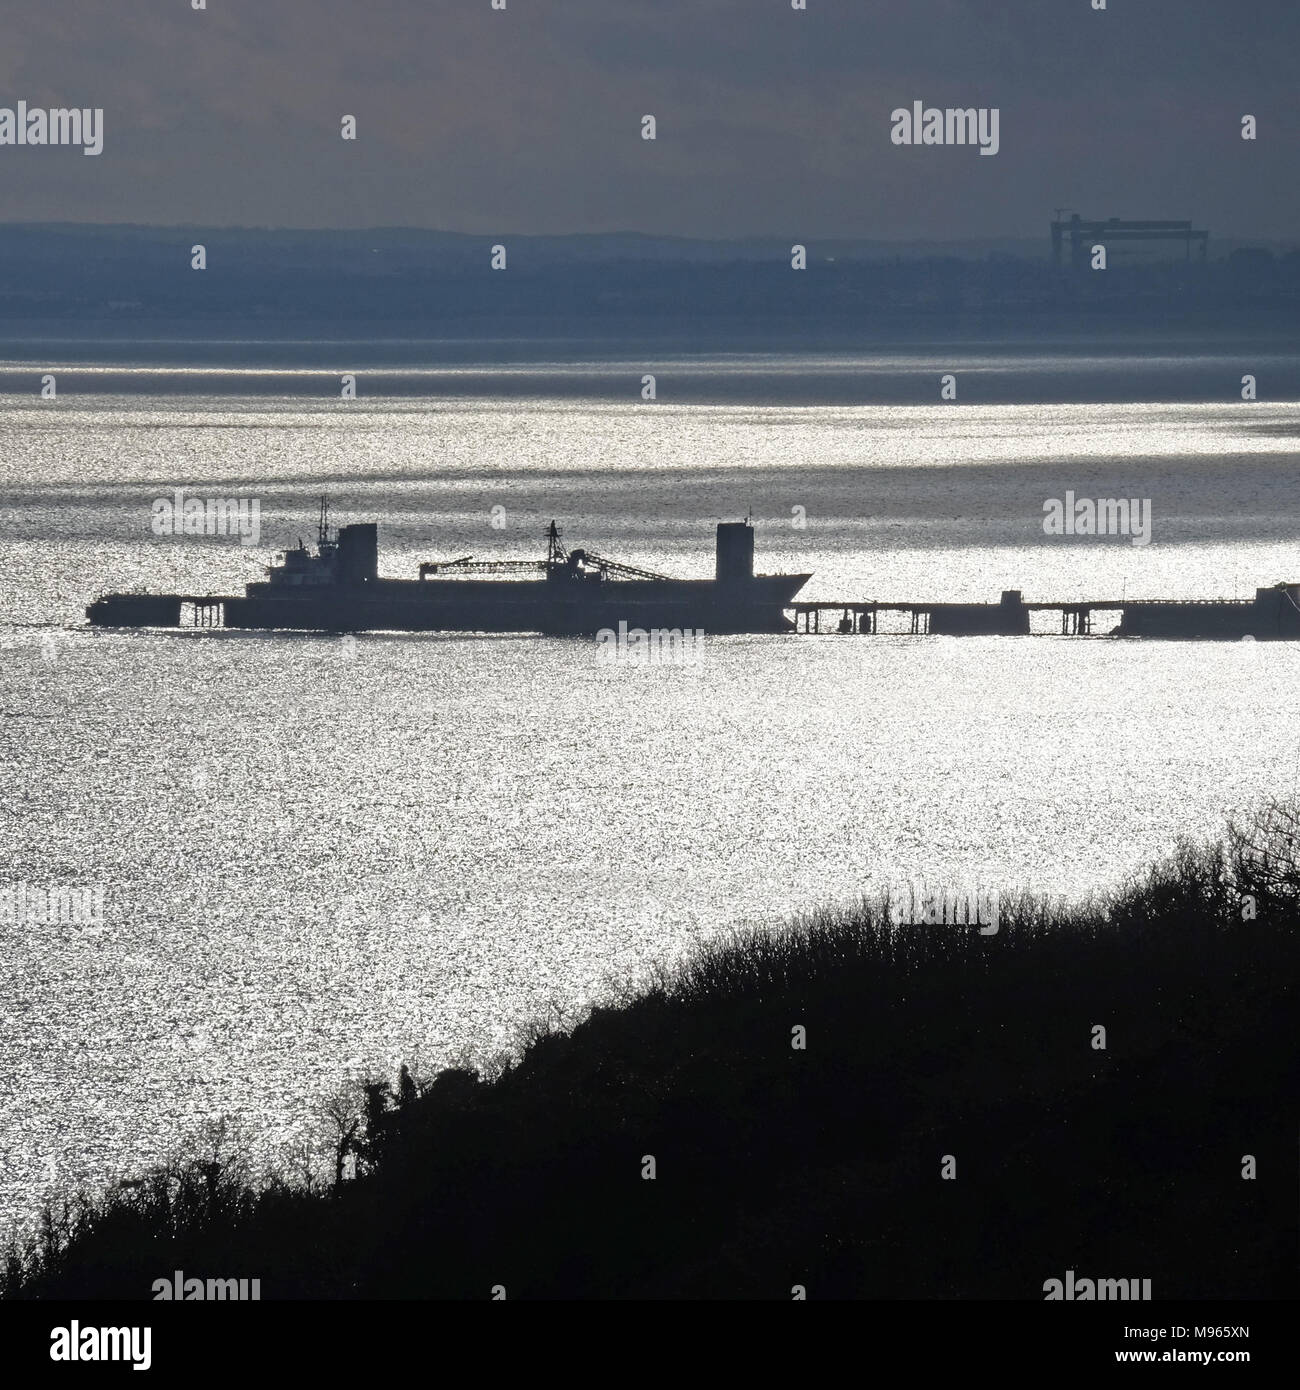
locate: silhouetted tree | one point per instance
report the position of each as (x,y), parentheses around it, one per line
(342,1110)
(378,1118)
(1265,851)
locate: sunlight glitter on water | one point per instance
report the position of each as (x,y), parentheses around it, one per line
(321,857)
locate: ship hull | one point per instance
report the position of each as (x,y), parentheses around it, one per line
(522,606)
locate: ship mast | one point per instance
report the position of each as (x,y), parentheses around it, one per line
(555,557)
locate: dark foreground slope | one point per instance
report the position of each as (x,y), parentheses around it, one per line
(777,1166)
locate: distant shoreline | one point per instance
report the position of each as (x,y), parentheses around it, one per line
(771,293)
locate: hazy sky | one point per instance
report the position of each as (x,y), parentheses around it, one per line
(770,121)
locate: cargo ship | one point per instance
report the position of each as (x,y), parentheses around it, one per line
(337,588)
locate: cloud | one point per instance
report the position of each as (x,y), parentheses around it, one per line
(771,121)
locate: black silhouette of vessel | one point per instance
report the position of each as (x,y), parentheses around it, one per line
(337,588)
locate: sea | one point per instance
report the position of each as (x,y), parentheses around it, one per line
(322,857)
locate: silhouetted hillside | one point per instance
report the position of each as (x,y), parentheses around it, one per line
(1166,1154)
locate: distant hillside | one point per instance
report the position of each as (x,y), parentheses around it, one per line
(432,283)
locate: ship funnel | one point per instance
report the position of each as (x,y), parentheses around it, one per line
(358,553)
(735,553)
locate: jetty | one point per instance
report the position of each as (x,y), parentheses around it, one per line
(1274,613)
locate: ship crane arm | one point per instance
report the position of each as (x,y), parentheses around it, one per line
(606,565)
(468,565)
(555,563)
